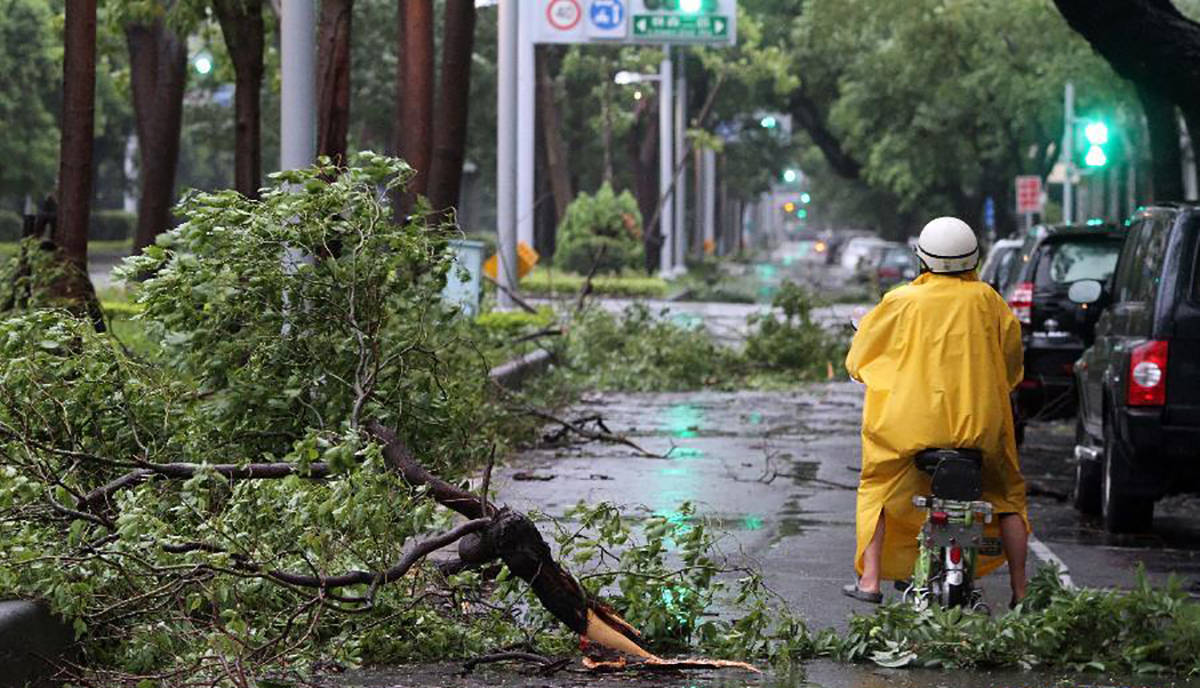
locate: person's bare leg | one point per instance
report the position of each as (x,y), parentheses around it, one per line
(1016,548)
(872,555)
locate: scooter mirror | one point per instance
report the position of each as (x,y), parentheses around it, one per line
(857,314)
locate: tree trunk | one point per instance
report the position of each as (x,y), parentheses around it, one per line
(1138,38)
(806,113)
(242,27)
(333,78)
(415,107)
(158,73)
(454,94)
(643,158)
(1166,160)
(555,147)
(78,120)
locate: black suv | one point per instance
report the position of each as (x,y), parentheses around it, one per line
(1139,384)
(1054,330)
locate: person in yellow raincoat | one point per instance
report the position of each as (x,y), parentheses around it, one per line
(939,358)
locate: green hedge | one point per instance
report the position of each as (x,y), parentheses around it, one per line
(112,225)
(10,226)
(551,281)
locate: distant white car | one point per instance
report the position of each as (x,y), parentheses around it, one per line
(859,248)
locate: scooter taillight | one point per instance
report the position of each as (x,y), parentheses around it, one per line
(956,554)
(939,518)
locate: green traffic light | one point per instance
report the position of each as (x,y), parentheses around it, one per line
(690,6)
(790,176)
(1095,157)
(805,198)
(767,122)
(1096,133)
(801,213)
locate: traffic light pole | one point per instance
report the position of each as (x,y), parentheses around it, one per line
(506,152)
(1069,152)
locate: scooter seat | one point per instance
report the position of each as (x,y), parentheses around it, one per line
(957,473)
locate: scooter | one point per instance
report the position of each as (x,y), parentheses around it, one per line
(952,538)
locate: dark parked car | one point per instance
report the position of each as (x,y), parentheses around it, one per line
(896,264)
(1054,330)
(1139,384)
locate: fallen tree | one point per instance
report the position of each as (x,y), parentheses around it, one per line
(252,486)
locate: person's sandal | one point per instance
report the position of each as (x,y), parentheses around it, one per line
(852,590)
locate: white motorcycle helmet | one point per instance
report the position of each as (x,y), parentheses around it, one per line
(947,244)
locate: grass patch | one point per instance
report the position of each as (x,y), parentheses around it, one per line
(553,282)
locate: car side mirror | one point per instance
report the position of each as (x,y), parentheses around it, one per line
(1085,291)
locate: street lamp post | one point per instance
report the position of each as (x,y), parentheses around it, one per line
(666,159)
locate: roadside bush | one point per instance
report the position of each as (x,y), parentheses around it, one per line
(10,226)
(111,225)
(795,343)
(605,228)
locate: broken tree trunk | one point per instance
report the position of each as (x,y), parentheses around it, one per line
(515,540)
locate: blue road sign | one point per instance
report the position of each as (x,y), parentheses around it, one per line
(607,15)
(989,212)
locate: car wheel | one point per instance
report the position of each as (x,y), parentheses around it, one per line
(1089,477)
(1123,513)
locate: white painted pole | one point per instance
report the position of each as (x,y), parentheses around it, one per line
(298,94)
(708,172)
(506,153)
(681,177)
(1069,152)
(666,160)
(526,130)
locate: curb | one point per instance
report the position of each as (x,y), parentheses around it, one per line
(31,638)
(515,372)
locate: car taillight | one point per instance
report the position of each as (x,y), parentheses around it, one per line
(1148,374)
(1020,299)
(939,518)
(889,272)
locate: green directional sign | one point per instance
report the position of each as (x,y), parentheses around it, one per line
(674,27)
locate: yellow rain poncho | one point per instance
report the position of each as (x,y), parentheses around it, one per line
(939,358)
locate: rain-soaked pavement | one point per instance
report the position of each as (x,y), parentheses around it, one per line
(777,470)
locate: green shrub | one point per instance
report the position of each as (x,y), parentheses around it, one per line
(644,351)
(796,342)
(605,229)
(10,226)
(111,225)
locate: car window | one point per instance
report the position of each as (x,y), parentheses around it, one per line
(897,258)
(1065,262)
(1141,262)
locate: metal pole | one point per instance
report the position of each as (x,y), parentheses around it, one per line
(1112,195)
(680,149)
(666,160)
(526,131)
(298,92)
(1130,185)
(506,153)
(1069,151)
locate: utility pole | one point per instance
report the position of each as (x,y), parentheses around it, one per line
(680,151)
(298,91)
(506,153)
(526,130)
(666,161)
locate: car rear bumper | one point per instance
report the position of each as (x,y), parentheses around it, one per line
(1165,456)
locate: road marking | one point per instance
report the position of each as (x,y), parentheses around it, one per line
(1041,551)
